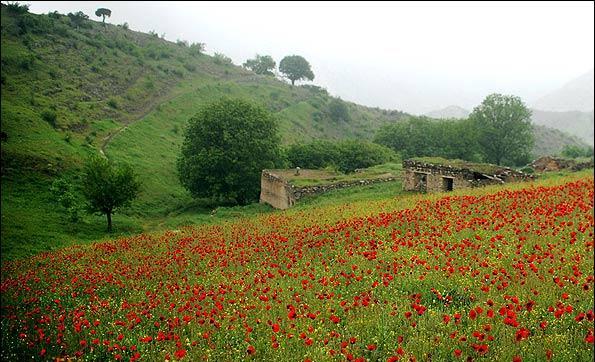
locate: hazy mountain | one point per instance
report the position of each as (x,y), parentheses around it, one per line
(579,124)
(449,112)
(576,95)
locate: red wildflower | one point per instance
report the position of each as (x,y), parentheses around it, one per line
(521,334)
(251,350)
(371,347)
(180,353)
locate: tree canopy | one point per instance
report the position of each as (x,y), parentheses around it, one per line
(295,68)
(108,187)
(423,136)
(103,12)
(227,145)
(261,64)
(504,130)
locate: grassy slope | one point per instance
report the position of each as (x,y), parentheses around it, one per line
(98,80)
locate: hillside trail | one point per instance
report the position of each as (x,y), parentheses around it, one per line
(154,104)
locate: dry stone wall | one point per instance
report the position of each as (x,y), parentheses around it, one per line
(280,194)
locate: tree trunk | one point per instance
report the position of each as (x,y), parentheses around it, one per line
(292,81)
(109,221)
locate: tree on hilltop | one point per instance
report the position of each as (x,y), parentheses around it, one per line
(103,12)
(295,67)
(261,64)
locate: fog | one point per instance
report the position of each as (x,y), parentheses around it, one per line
(415,57)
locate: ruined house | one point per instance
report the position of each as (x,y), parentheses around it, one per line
(278,188)
(424,176)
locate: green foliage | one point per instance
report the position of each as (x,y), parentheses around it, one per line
(574,151)
(295,68)
(338,111)
(107,187)
(227,145)
(16,8)
(261,64)
(503,125)
(222,59)
(103,12)
(197,48)
(78,19)
(65,195)
(113,102)
(422,136)
(346,156)
(50,117)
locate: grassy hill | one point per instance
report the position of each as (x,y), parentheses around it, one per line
(69,91)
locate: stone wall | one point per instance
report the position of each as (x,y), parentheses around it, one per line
(275,191)
(425,177)
(278,193)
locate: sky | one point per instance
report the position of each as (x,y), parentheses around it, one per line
(411,56)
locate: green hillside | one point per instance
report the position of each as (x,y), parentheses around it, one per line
(70,90)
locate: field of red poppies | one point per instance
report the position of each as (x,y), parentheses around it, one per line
(502,274)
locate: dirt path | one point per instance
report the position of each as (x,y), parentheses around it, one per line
(160,100)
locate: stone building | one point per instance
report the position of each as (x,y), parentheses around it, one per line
(435,177)
(277,189)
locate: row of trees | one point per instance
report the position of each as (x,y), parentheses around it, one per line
(345,156)
(498,131)
(293,67)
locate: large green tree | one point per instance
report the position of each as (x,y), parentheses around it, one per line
(108,187)
(295,67)
(226,146)
(261,64)
(504,129)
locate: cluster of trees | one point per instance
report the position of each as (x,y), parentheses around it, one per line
(293,67)
(498,131)
(345,156)
(573,151)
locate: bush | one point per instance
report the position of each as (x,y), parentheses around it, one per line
(50,117)
(338,111)
(112,102)
(574,151)
(222,59)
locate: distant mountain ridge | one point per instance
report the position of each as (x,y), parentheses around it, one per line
(449,112)
(576,95)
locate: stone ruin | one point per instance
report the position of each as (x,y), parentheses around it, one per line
(278,192)
(431,177)
(550,163)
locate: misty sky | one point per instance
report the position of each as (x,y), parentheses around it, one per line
(415,57)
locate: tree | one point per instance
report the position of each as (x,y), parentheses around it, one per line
(295,68)
(262,64)
(103,12)
(503,124)
(78,18)
(107,187)
(227,145)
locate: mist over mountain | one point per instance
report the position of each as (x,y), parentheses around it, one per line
(579,124)
(449,112)
(576,95)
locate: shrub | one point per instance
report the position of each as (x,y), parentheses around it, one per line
(222,59)
(50,117)
(112,102)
